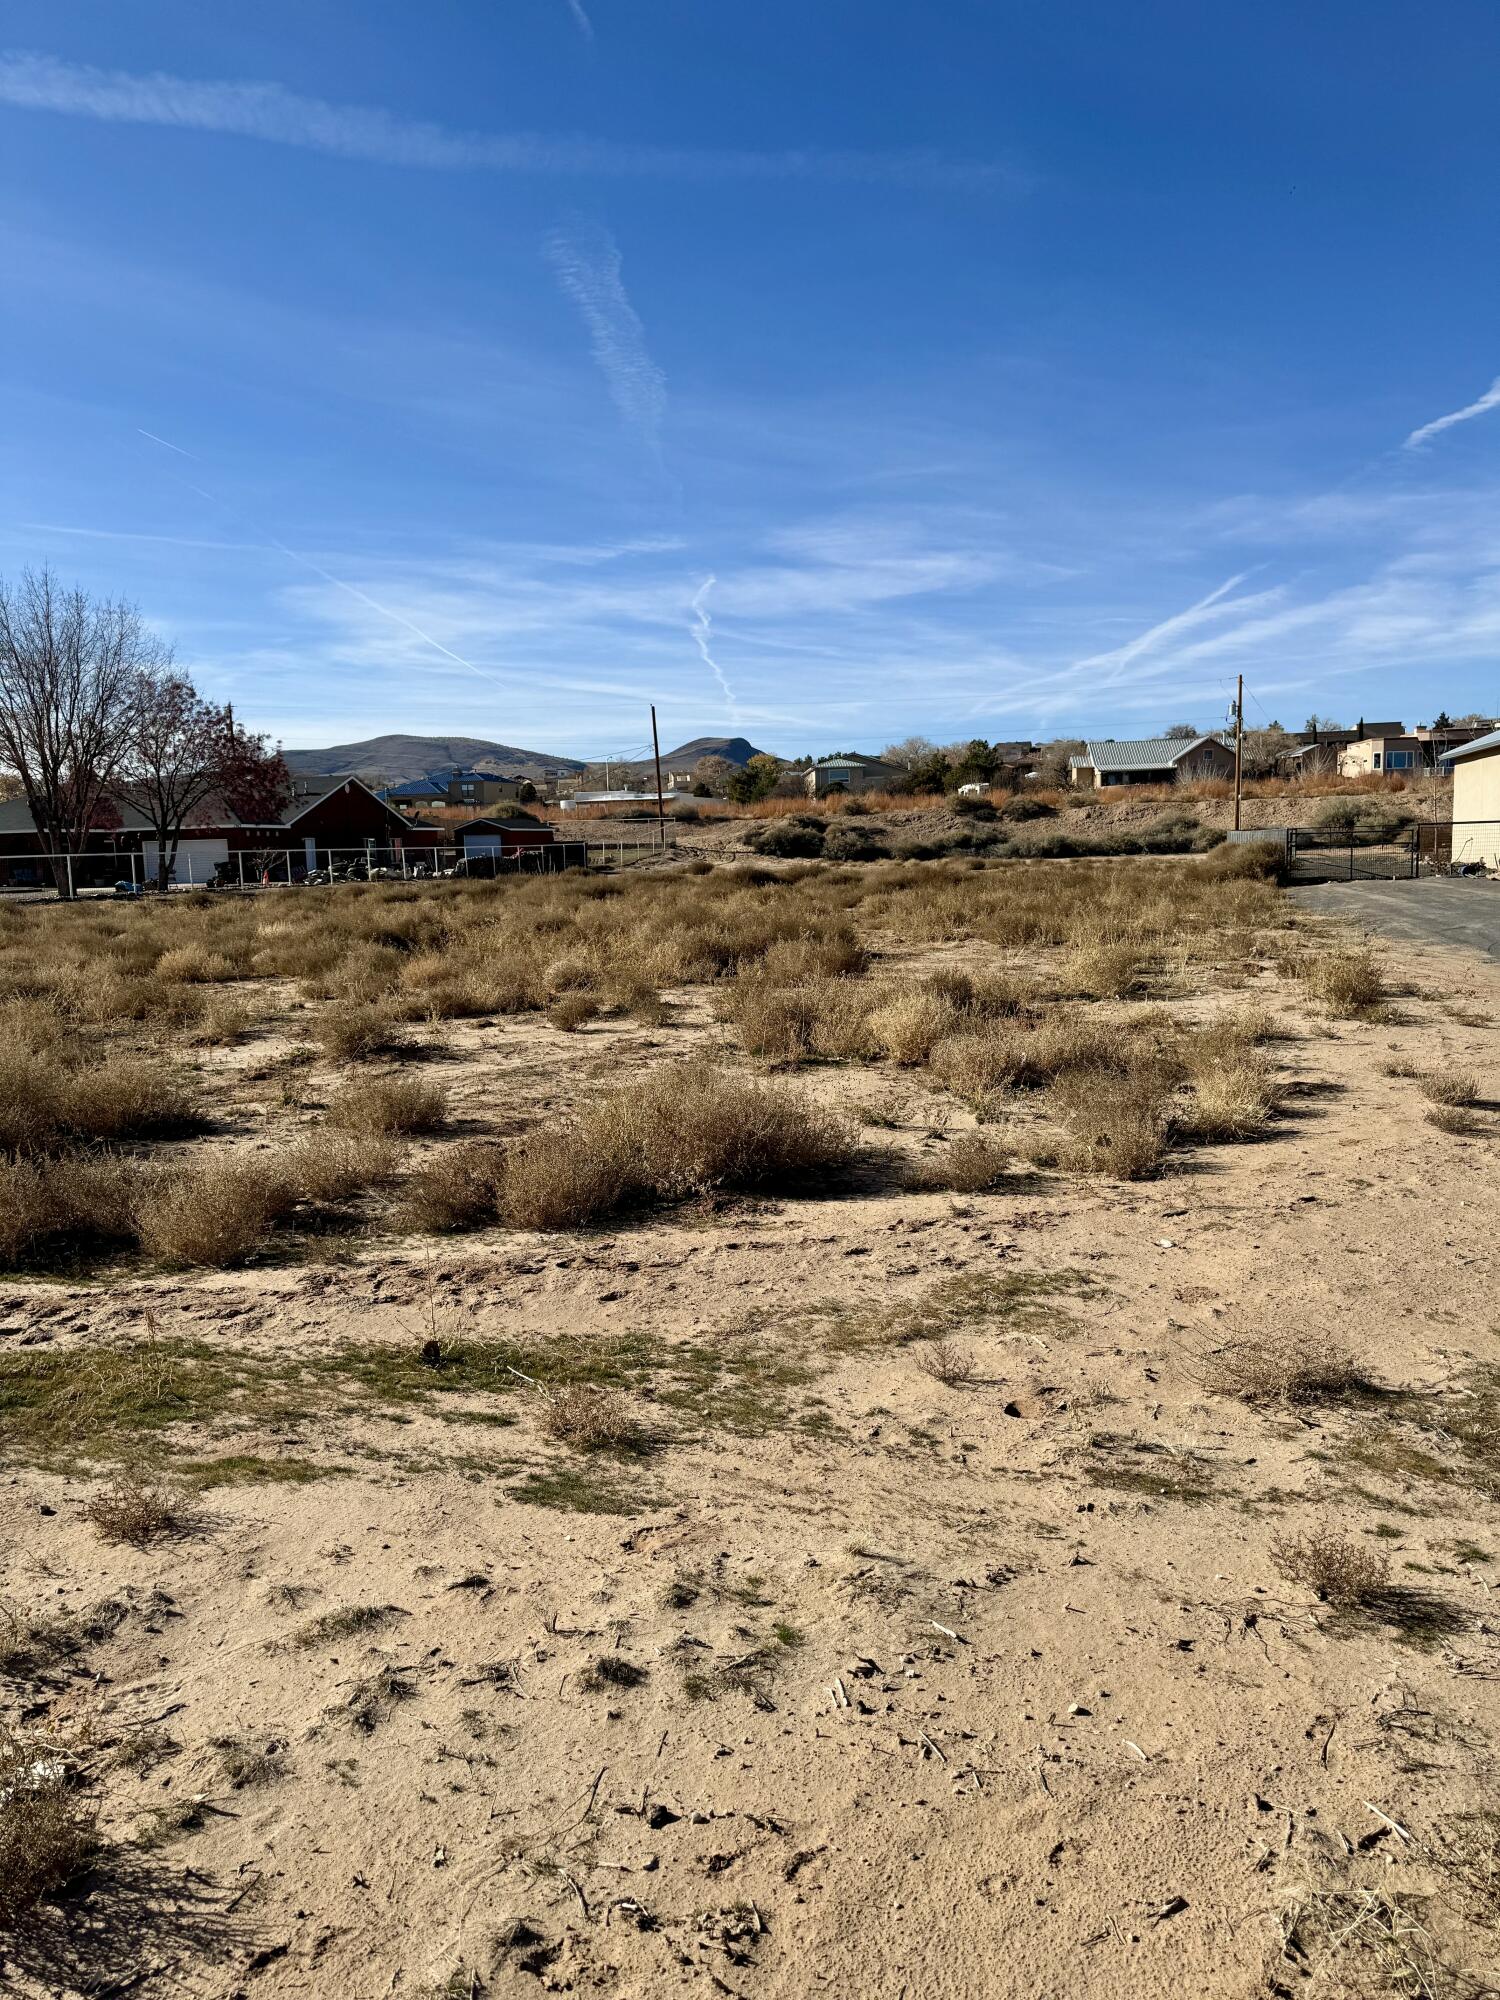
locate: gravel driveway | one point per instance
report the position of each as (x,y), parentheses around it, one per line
(1444,910)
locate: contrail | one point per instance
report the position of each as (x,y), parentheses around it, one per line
(587,262)
(362,597)
(279,117)
(166,441)
(585,25)
(1425,432)
(703,627)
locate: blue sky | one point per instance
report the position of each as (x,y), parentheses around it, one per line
(826,370)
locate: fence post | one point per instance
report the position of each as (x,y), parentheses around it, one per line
(132,867)
(69,859)
(191,883)
(239,855)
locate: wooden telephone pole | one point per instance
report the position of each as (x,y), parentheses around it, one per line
(661,810)
(1239,745)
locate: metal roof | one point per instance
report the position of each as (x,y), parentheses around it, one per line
(1146,753)
(1474,749)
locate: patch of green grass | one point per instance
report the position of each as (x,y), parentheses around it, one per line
(1131,1465)
(348,1621)
(578,1490)
(245,1469)
(788,1636)
(1015,1301)
(1470,1552)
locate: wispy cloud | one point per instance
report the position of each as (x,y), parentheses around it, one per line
(585,25)
(703,629)
(1424,433)
(587,261)
(267,112)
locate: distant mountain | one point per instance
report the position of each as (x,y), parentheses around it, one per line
(394,759)
(733,749)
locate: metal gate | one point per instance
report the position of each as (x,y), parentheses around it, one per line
(1342,854)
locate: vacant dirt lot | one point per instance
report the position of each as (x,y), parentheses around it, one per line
(977,1565)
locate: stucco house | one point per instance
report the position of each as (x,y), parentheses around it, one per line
(1476,799)
(850,774)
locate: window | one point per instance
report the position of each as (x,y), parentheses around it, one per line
(1377,760)
(1397,760)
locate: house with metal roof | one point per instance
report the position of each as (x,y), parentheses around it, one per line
(1150,760)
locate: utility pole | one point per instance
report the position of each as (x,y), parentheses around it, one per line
(661,810)
(1239,745)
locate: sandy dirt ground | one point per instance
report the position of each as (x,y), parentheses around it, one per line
(928,1691)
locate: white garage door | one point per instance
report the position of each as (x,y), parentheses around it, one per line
(483,843)
(196,859)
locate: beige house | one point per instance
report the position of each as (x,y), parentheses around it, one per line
(1476,800)
(850,774)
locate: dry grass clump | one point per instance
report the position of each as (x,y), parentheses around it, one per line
(908,1026)
(1236,1094)
(389,1104)
(194,964)
(1454,1089)
(1345,980)
(48,1833)
(335,1166)
(945,1361)
(1334,1566)
(970,1164)
(216,1212)
(458,1188)
(45,1104)
(681,1132)
(590,1419)
(1453,1119)
(1104,970)
(131,1510)
(1114,1123)
(1286,1372)
(571,1010)
(354,1031)
(49,1207)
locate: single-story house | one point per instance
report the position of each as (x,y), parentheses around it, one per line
(516,843)
(1150,760)
(325,818)
(454,788)
(617,798)
(850,774)
(1476,799)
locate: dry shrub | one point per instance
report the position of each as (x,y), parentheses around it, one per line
(131,1511)
(800,961)
(1105,970)
(335,1166)
(908,1026)
(44,1105)
(399,1104)
(194,964)
(571,1010)
(1346,981)
(222,1024)
(1235,1095)
(1289,1371)
(1334,1566)
(458,1188)
(47,1833)
(1453,1119)
(590,1419)
(680,1132)
(216,1212)
(126,1097)
(946,1361)
(776,1024)
(1455,1089)
(1114,1123)
(969,1164)
(49,1206)
(354,1031)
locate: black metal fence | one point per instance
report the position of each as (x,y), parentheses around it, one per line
(1378,854)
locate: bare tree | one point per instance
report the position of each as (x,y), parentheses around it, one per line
(910,750)
(174,760)
(69,665)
